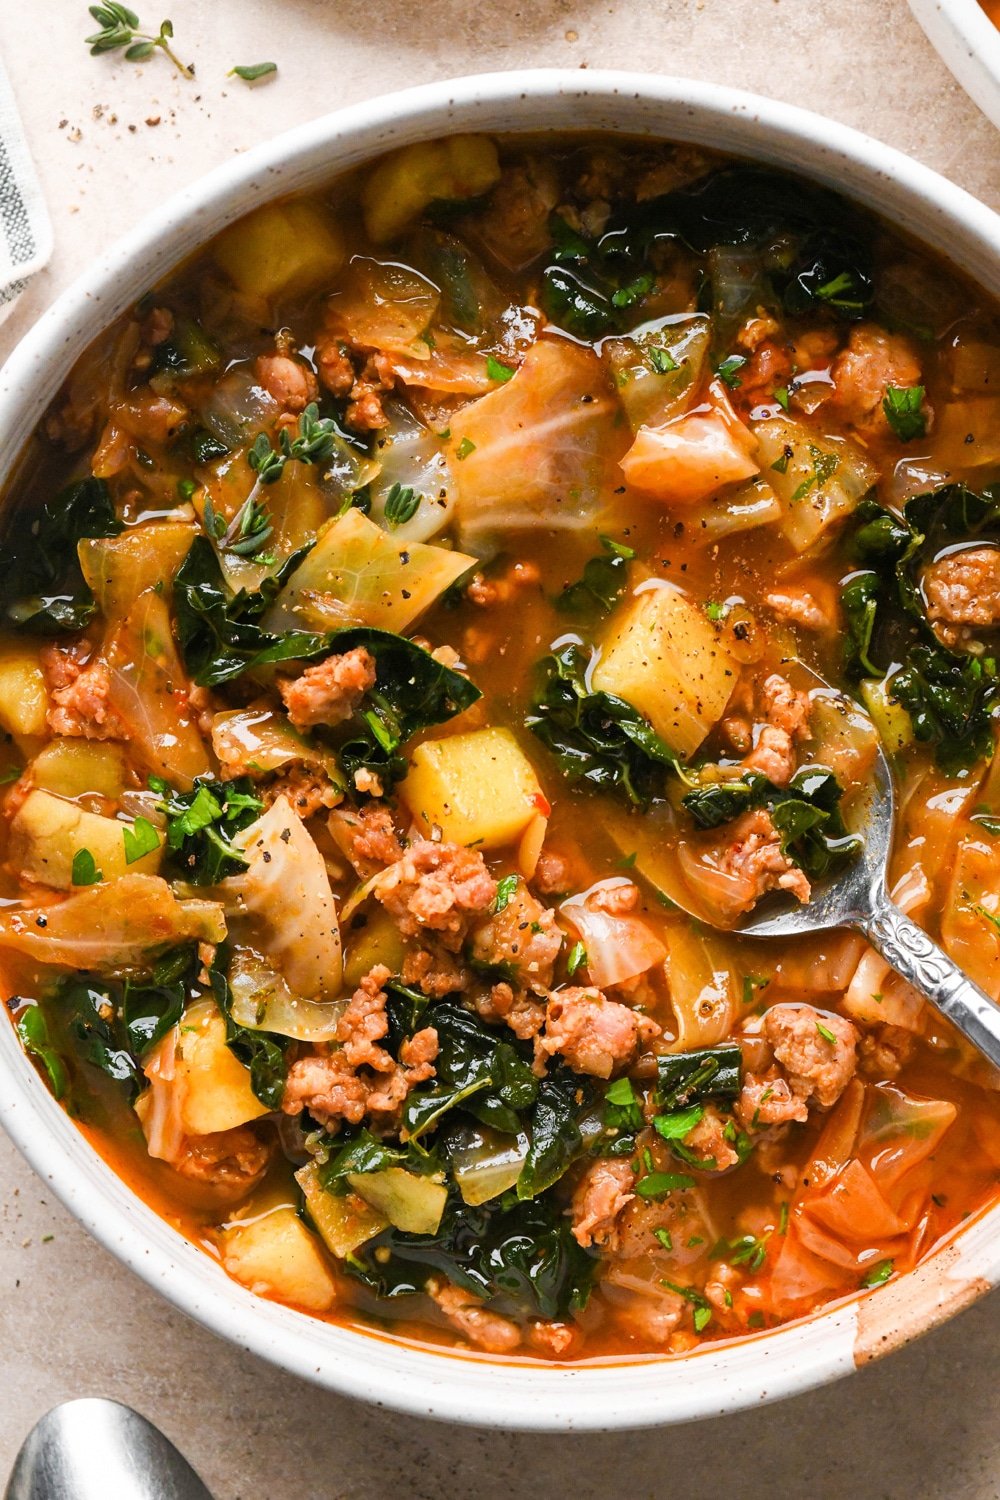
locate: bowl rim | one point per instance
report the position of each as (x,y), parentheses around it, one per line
(385,1370)
(968,43)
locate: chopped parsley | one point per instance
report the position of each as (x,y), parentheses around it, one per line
(729,370)
(85,871)
(903,407)
(878,1274)
(505,890)
(141,839)
(498,371)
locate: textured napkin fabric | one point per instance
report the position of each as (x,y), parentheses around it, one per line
(25,230)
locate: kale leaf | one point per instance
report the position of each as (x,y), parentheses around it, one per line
(950,696)
(519,1256)
(42,588)
(806,814)
(201,824)
(596,738)
(412,692)
(686,1078)
(219,632)
(114,1023)
(602,583)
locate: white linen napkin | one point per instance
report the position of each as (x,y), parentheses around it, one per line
(25,228)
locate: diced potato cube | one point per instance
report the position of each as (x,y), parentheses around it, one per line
(48,832)
(216,1089)
(344,1220)
(664,656)
(819,480)
(478,788)
(403,184)
(410,1202)
(69,768)
(281,249)
(24,699)
(277,1256)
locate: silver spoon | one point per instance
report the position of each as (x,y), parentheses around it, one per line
(858,898)
(94,1449)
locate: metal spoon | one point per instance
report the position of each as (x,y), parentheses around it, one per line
(99,1450)
(858,898)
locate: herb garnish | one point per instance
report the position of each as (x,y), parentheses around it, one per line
(601,584)
(202,823)
(401,505)
(120,28)
(903,407)
(596,738)
(250,73)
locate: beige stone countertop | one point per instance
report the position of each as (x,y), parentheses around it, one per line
(110,139)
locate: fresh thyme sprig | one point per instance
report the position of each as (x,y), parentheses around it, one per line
(313,444)
(120,28)
(248,531)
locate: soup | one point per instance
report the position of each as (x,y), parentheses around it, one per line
(412,617)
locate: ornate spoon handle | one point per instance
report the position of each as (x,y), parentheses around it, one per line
(928,968)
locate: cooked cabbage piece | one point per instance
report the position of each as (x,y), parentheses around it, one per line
(359,574)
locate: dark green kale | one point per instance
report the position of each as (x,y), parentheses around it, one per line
(595,738)
(33,1030)
(809,250)
(519,1256)
(112,1023)
(201,824)
(219,632)
(687,1078)
(951,696)
(42,588)
(412,692)
(602,583)
(806,814)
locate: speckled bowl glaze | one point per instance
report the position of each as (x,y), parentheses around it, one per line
(969,44)
(460,1387)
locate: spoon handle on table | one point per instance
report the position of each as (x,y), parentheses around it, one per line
(908,949)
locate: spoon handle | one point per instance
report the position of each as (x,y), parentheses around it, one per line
(928,968)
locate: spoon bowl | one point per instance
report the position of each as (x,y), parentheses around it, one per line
(93,1449)
(858,898)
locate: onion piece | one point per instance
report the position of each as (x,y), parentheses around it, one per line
(149,691)
(619,947)
(111,927)
(263,1001)
(287,888)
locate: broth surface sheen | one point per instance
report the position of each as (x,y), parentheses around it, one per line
(409,618)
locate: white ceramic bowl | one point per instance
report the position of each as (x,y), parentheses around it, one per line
(459,1387)
(969,44)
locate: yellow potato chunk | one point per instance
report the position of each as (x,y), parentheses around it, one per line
(215,1085)
(48,832)
(478,788)
(277,1256)
(24,699)
(664,656)
(281,249)
(403,184)
(69,768)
